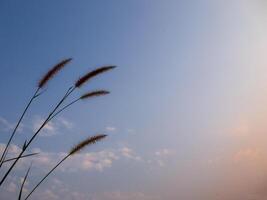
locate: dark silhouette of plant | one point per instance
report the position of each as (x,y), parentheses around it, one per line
(23,182)
(92,74)
(58,108)
(24,156)
(54,70)
(74,150)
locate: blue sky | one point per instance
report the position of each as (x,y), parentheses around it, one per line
(186,104)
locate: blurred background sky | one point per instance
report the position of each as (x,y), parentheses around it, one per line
(187,112)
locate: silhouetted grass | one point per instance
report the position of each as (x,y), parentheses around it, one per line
(79,147)
(23,182)
(52,72)
(94,94)
(92,74)
(57,109)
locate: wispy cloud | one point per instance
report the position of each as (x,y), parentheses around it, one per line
(65,123)
(52,128)
(129,153)
(60,190)
(48,130)
(13,149)
(90,161)
(111,128)
(6,126)
(161,157)
(81,162)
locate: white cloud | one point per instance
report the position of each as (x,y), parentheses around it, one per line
(92,161)
(52,127)
(13,149)
(129,153)
(65,123)
(48,130)
(97,161)
(57,190)
(111,128)
(79,162)
(6,126)
(161,157)
(82,162)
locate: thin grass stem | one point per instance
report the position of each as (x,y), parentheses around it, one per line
(85,96)
(23,156)
(3,156)
(23,183)
(69,91)
(39,183)
(74,150)
(62,109)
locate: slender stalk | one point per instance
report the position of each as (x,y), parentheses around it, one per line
(39,183)
(85,96)
(70,90)
(23,156)
(66,106)
(16,127)
(74,150)
(24,180)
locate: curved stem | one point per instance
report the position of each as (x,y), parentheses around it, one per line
(24,180)
(24,156)
(70,90)
(39,183)
(59,111)
(16,127)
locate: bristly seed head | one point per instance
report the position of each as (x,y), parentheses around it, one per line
(54,70)
(94,94)
(86,142)
(92,74)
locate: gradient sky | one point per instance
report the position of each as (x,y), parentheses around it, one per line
(187,113)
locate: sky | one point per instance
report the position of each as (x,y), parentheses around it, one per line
(186,117)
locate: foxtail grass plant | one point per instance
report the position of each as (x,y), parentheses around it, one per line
(57,109)
(81,81)
(76,149)
(52,72)
(48,76)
